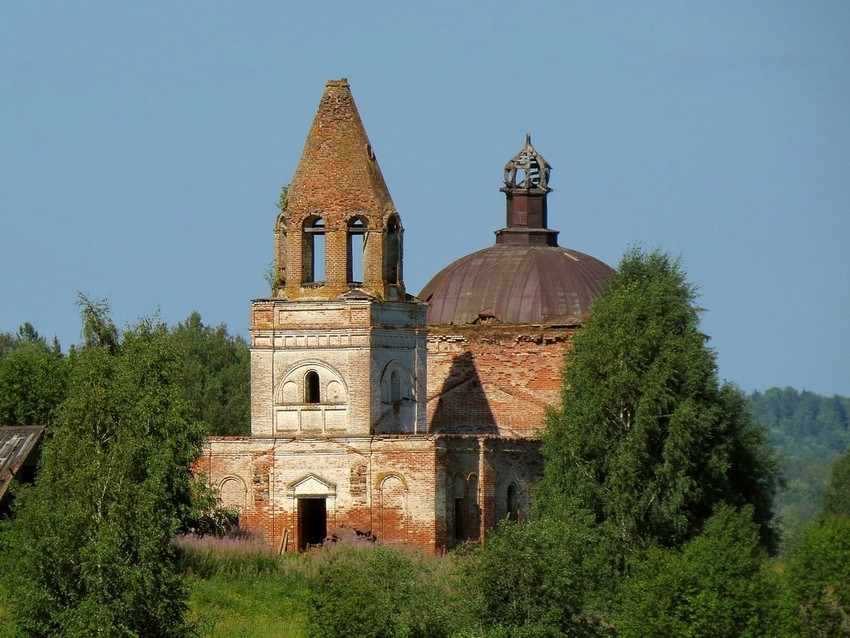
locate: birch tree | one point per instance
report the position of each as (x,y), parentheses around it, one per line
(92,538)
(646,440)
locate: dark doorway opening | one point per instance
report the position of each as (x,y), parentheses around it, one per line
(460,532)
(312,522)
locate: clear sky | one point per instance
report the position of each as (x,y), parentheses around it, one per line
(144,145)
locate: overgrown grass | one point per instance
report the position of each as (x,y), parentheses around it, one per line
(239,588)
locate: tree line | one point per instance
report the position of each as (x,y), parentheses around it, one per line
(212,368)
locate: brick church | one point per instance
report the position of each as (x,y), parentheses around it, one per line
(413,417)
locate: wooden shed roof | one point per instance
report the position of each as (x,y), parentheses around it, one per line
(16,444)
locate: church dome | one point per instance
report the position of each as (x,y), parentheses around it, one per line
(526,277)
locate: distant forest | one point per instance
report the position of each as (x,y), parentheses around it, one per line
(809,432)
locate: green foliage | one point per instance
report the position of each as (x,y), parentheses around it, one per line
(645,437)
(818,580)
(836,497)
(215,376)
(91,541)
(533,580)
(32,379)
(271,277)
(716,586)
(283,199)
(375,592)
(206,517)
(809,432)
(814,424)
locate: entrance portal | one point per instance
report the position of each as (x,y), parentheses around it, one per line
(312,522)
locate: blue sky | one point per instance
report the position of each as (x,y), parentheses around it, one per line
(144,145)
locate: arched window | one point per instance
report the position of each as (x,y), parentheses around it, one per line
(392,251)
(513,505)
(355,247)
(313,250)
(311,387)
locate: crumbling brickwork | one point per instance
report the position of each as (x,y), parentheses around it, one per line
(495,380)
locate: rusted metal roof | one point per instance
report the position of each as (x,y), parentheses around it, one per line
(16,444)
(522,284)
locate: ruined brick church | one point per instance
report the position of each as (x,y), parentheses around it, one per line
(415,418)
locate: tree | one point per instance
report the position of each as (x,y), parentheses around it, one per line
(32,379)
(534,579)
(215,374)
(809,433)
(818,579)
(716,586)
(836,497)
(92,539)
(645,438)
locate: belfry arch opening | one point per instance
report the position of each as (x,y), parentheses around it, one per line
(355,249)
(313,250)
(392,251)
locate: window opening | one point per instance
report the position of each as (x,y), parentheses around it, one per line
(356,248)
(513,509)
(313,250)
(392,251)
(311,387)
(459,527)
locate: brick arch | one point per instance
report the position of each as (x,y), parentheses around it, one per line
(464,515)
(393,514)
(291,384)
(233,492)
(398,399)
(297,220)
(370,222)
(405,377)
(392,214)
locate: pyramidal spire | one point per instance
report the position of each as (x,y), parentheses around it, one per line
(338,172)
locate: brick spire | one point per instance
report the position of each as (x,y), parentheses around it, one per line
(338,171)
(338,196)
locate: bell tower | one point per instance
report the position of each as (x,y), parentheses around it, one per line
(339,349)
(339,230)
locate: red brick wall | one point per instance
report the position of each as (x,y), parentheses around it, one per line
(400,488)
(494,380)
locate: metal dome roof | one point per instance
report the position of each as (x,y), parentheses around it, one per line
(546,285)
(526,278)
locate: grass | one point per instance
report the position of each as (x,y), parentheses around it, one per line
(238,588)
(265,606)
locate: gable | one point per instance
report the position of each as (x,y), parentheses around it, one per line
(310,485)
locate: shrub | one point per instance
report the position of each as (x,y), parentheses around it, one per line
(377,591)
